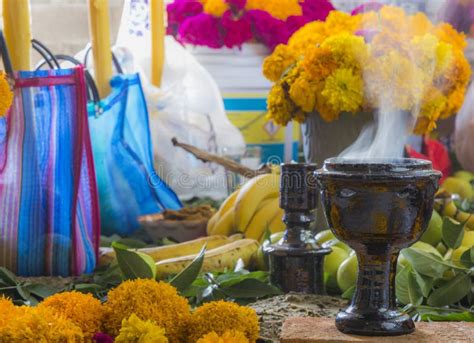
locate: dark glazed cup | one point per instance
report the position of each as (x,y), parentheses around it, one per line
(377,207)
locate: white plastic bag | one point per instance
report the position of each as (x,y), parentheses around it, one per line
(464,133)
(188,106)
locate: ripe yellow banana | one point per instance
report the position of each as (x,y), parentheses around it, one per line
(449,209)
(251,195)
(277,225)
(226,206)
(262,219)
(215,260)
(107,255)
(225,225)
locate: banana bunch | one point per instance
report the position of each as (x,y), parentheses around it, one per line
(251,210)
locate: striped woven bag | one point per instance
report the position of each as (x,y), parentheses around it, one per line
(49,214)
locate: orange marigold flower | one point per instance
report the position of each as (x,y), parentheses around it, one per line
(318,63)
(230,336)
(312,34)
(281,9)
(6,94)
(448,34)
(419,24)
(278,62)
(215,8)
(222,316)
(82,309)
(151,300)
(339,22)
(39,324)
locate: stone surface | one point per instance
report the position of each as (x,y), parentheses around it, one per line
(274,311)
(312,330)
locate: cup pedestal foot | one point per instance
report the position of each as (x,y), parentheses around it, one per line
(380,323)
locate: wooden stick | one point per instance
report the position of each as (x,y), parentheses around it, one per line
(223,161)
(99,25)
(157,28)
(17,27)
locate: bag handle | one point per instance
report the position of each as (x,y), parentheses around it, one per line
(7,63)
(47,55)
(92,91)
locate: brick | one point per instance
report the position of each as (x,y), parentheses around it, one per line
(322,330)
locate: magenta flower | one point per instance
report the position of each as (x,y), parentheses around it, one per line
(267,29)
(294,23)
(367,7)
(316,9)
(100,337)
(202,29)
(237,31)
(178,11)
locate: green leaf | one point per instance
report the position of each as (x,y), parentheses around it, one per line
(425,283)
(132,243)
(425,263)
(41,290)
(452,292)
(231,278)
(133,264)
(349,293)
(465,316)
(467,258)
(8,277)
(250,289)
(187,276)
(406,287)
(453,233)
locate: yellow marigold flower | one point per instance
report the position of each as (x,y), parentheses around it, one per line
(339,22)
(393,17)
(344,91)
(279,105)
(82,309)
(303,93)
(230,336)
(312,34)
(348,50)
(454,102)
(448,34)
(325,109)
(155,301)
(369,21)
(135,330)
(318,63)
(275,65)
(39,324)
(281,9)
(6,94)
(419,24)
(221,316)
(215,8)
(406,80)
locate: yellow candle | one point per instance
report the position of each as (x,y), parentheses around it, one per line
(17,29)
(157,27)
(99,25)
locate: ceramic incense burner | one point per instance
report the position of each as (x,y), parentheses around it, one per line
(377,207)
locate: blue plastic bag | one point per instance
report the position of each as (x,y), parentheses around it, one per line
(128,185)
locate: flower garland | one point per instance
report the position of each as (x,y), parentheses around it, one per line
(231,23)
(6,94)
(381,59)
(144,311)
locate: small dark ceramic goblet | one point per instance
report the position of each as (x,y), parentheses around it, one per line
(377,207)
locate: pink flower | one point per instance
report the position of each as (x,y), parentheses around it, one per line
(237,30)
(367,7)
(316,9)
(202,29)
(294,23)
(100,337)
(267,29)
(178,11)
